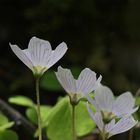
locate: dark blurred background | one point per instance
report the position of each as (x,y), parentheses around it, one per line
(103,35)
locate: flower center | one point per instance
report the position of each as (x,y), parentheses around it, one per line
(74,97)
(39,70)
(107,116)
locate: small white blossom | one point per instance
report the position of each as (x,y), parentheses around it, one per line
(78,88)
(113,116)
(113,127)
(123,125)
(105,101)
(39,56)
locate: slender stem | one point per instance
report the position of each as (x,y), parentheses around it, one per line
(131,134)
(38,108)
(73,123)
(103,135)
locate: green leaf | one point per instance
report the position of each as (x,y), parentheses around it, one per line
(21,100)
(32,115)
(3,119)
(84,123)
(6,126)
(60,127)
(4,123)
(50,82)
(8,135)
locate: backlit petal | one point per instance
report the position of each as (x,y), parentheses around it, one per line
(40,51)
(124,105)
(93,102)
(104,98)
(97,117)
(123,125)
(22,56)
(57,54)
(97,84)
(110,125)
(66,79)
(86,81)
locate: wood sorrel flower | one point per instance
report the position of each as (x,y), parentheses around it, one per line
(114,126)
(112,116)
(77,88)
(105,101)
(39,56)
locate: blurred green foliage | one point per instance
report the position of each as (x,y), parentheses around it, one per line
(21,100)
(5,132)
(61,117)
(53,118)
(56,120)
(49,82)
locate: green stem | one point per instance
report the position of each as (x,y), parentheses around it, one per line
(38,108)
(73,123)
(103,135)
(131,134)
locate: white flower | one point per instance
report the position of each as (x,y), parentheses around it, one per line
(113,116)
(77,88)
(113,127)
(39,56)
(105,101)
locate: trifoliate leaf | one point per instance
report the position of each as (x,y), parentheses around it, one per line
(60,123)
(59,127)
(84,123)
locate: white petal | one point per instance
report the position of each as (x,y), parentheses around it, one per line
(27,53)
(57,54)
(110,125)
(93,102)
(66,79)
(40,51)
(90,99)
(97,117)
(104,98)
(124,105)
(123,125)
(22,56)
(86,81)
(97,84)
